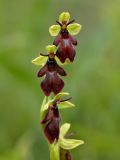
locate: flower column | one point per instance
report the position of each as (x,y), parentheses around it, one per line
(61,52)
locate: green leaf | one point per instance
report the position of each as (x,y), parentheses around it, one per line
(65,104)
(54,151)
(39,61)
(74,28)
(64,129)
(70,143)
(51,49)
(54,30)
(64,16)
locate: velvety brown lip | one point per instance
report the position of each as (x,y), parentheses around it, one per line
(52,82)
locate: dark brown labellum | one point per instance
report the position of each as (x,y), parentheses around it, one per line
(52,82)
(51,122)
(66,44)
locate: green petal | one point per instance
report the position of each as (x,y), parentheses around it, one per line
(60,95)
(51,49)
(54,30)
(74,28)
(70,143)
(39,61)
(66,104)
(64,16)
(54,151)
(64,129)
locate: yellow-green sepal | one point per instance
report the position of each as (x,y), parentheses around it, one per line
(70,143)
(39,61)
(74,28)
(60,95)
(51,49)
(65,104)
(64,129)
(54,30)
(66,143)
(64,17)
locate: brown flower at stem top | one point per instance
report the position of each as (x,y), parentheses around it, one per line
(65,40)
(51,71)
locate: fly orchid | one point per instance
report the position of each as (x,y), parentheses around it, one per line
(60,53)
(52,82)
(50,117)
(65,30)
(60,150)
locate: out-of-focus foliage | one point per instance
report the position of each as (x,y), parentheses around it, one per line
(93,79)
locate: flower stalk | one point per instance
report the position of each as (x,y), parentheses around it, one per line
(61,52)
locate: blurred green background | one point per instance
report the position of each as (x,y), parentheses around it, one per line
(93,79)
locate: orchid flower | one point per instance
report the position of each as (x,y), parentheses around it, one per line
(60,150)
(60,53)
(51,117)
(65,30)
(50,69)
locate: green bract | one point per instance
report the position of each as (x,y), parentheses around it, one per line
(74,28)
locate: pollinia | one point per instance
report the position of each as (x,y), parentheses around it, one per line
(60,53)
